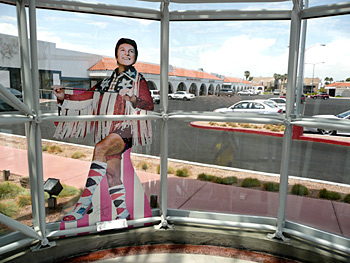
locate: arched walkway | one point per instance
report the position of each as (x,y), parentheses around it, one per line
(211,90)
(170,88)
(193,89)
(151,85)
(181,87)
(203,90)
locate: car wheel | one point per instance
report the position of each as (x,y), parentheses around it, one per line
(327,132)
(170,98)
(185,98)
(314,98)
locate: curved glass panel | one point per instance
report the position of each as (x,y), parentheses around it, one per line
(319,189)
(220,6)
(210,156)
(226,59)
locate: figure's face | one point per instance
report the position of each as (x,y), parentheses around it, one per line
(125,55)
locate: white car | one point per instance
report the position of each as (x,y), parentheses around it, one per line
(245,92)
(155,96)
(270,102)
(344,115)
(181,95)
(281,102)
(252,106)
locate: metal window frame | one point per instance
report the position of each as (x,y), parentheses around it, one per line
(32,118)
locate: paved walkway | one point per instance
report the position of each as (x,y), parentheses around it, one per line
(198,195)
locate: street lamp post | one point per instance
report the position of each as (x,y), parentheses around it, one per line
(313,72)
(301,68)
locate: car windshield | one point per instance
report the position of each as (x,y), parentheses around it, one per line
(278,100)
(344,114)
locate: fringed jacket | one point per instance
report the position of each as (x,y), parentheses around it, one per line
(105,98)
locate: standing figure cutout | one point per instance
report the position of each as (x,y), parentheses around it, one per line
(112,189)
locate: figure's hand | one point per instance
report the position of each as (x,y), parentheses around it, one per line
(131,99)
(59,92)
(128,95)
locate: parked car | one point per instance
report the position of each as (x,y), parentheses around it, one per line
(322,95)
(245,92)
(276,92)
(267,101)
(302,98)
(281,102)
(344,116)
(6,107)
(155,96)
(252,106)
(181,95)
(225,92)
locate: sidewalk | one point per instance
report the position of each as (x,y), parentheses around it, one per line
(188,194)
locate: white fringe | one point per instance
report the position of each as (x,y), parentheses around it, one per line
(102,129)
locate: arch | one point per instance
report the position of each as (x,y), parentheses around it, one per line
(151,85)
(193,89)
(171,88)
(217,89)
(181,87)
(211,90)
(203,90)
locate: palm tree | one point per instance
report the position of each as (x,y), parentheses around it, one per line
(277,77)
(246,74)
(284,77)
(326,80)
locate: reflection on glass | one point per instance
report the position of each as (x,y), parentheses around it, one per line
(15,198)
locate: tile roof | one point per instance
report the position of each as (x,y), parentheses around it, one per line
(236,80)
(110,64)
(339,84)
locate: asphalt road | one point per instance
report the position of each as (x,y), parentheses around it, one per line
(240,150)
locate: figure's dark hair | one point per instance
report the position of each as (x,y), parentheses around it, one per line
(126,41)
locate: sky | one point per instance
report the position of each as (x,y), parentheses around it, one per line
(227,47)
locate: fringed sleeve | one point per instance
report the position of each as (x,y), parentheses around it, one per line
(76,129)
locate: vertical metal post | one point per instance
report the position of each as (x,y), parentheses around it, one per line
(164,68)
(32,129)
(301,64)
(287,137)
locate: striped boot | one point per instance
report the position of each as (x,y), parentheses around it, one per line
(117,194)
(84,204)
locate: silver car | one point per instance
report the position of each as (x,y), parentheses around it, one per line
(251,106)
(344,116)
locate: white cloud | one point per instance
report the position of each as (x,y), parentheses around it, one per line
(9,29)
(335,55)
(242,53)
(8,19)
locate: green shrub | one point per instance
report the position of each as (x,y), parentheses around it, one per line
(170,169)
(45,148)
(9,208)
(54,149)
(215,179)
(347,199)
(69,191)
(299,189)
(144,166)
(78,155)
(329,195)
(250,182)
(24,200)
(271,187)
(228,180)
(10,190)
(206,177)
(182,172)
